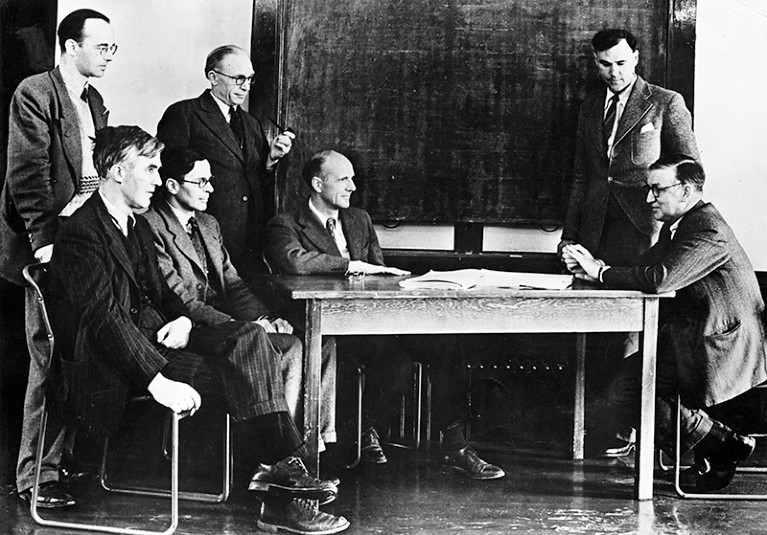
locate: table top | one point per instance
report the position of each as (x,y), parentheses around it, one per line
(387,287)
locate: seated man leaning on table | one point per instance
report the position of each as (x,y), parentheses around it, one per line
(711,346)
(123,330)
(196,265)
(327,236)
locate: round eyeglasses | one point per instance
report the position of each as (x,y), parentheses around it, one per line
(201,182)
(240,79)
(656,191)
(104,49)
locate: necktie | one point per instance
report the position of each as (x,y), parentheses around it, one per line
(84,94)
(664,239)
(609,121)
(194,234)
(235,122)
(330,225)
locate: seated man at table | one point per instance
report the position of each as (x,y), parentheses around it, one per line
(711,338)
(327,236)
(196,265)
(123,329)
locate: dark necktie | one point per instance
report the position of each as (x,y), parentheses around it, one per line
(330,225)
(84,94)
(235,121)
(132,237)
(194,234)
(609,122)
(664,239)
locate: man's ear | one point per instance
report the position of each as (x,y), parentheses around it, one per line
(70,47)
(317,184)
(117,173)
(172,185)
(212,77)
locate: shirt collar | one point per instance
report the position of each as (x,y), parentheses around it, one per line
(322,217)
(183,217)
(74,81)
(223,106)
(119,217)
(623,96)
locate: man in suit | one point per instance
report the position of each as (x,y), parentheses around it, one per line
(326,235)
(50,173)
(711,340)
(196,266)
(241,158)
(622,129)
(120,326)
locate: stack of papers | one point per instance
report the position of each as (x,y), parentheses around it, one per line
(462,279)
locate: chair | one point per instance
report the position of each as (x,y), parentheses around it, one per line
(37,276)
(712,496)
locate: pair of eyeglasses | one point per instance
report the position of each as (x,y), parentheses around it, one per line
(656,191)
(201,183)
(104,49)
(240,79)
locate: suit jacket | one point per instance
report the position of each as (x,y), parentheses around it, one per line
(636,146)
(180,265)
(300,245)
(102,326)
(714,324)
(44,166)
(242,185)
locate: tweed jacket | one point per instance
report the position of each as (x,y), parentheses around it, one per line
(655,122)
(714,326)
(44,166)
(240,201)
(99,318)
(181,267)
(299,244)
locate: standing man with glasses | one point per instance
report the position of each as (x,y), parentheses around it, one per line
(622,129)
(52,119)
(240,156)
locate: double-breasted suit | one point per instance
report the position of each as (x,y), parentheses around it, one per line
(655,122)
(241,201)
(44,166)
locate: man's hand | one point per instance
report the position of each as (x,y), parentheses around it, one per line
(581,262)
(43,254)
(175,334)
(358,266)
(280,146)
(282,326)
(178,397)
(562,244)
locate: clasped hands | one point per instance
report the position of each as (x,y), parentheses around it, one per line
(581,263)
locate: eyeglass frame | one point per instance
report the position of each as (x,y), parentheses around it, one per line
(103,49)
(201,183)
(240,79)
(656,191)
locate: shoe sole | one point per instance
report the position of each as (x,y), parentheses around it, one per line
(616,454)
(292,492)
(274,528)
(49,505)
(476,477)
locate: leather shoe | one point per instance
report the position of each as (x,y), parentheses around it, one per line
(466,461)
(289,477)
(299,516)
(620,448)
(724,465)
(50,495)
(370,447)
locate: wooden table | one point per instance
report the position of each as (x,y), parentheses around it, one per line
(378,305)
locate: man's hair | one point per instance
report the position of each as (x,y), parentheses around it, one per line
(316,164)
(686,169)
(606,39)
(71,26)
(177,162)
(218,54)
(113,144)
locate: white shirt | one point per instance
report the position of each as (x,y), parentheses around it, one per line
(623,97)
(183,217)
(223,106)
(343,247)
(75,83)
(119,218)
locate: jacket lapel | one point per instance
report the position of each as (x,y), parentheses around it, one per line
(211,116)
(116,239)
(96,104)
(315,232)
(181,239)
(70,127)
(637,106)
(354,240)
(214,250)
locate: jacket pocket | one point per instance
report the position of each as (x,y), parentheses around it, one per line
(645,146)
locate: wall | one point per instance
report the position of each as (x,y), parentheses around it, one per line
(162,50)
(731,114)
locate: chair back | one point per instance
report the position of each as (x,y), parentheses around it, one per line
(270,266)
(38,275)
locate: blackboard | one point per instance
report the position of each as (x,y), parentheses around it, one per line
(451,111)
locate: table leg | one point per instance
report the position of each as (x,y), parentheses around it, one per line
(646,440)
(580,396)
(312,370)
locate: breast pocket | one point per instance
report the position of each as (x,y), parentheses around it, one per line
(645,147)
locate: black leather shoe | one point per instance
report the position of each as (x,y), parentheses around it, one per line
(724,465)
(620,448)
(370,446)
(50,495)
(299,516)
(290,477)
(466,461)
